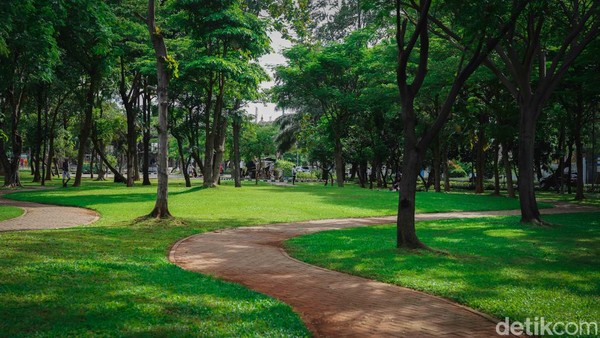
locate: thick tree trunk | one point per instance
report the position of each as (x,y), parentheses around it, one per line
(219,151)
(86,126)
(211,131)
(339,162)
(236,124)
(406,231)
(362,174)
(529,209)
(161,209)
(11,164)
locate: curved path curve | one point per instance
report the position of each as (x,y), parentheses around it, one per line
(38,216)
(334,304)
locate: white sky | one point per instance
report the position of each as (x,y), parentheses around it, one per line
(267,111)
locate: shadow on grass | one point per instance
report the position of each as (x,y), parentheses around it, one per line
(496,265)
(115,281)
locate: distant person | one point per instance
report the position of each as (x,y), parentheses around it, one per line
(293,176)
(66,177)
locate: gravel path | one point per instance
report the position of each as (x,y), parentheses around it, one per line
(334,304)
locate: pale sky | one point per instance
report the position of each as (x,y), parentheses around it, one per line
(267,112)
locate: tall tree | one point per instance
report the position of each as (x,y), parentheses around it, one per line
(161,208)
(534,58)
(86,35)
(416,42)
(28,55)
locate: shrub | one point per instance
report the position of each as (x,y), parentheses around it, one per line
(284,167)
(455,170)
(311,175)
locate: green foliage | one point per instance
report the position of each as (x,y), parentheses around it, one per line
(258,142)
(308,175)
(456,170)
(285,167)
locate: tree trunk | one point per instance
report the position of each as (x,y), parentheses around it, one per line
(131,145)
(36,159)
(406,231)
(496,169)
(184,171)
(50,155)
(570,167)
(579,148)
(219,151)
(211,130)
(510,190)
(353,171)
(446,170)
(51,136)
(44,149)
(529,209)
(119,178)
(257,169)
(339,162)
(11,164)
(86,126)
(480,156)
(236,124)
(92,165)
(437,171)
(146,110)
(161,209)
(362,174)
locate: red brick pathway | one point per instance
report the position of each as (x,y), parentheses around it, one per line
(333,304)
(44,216)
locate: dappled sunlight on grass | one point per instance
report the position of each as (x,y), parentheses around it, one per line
(113,277)
(496,265)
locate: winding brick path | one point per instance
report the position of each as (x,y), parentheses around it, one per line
(334,304)
(45,216)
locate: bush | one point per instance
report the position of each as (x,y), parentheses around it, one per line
(311,175)
(455,170)
(284,167)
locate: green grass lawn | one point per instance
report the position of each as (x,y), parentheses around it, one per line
(8,212)
(591,199)
(113,277)
(495,265)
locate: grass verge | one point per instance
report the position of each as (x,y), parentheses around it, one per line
(7,212)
